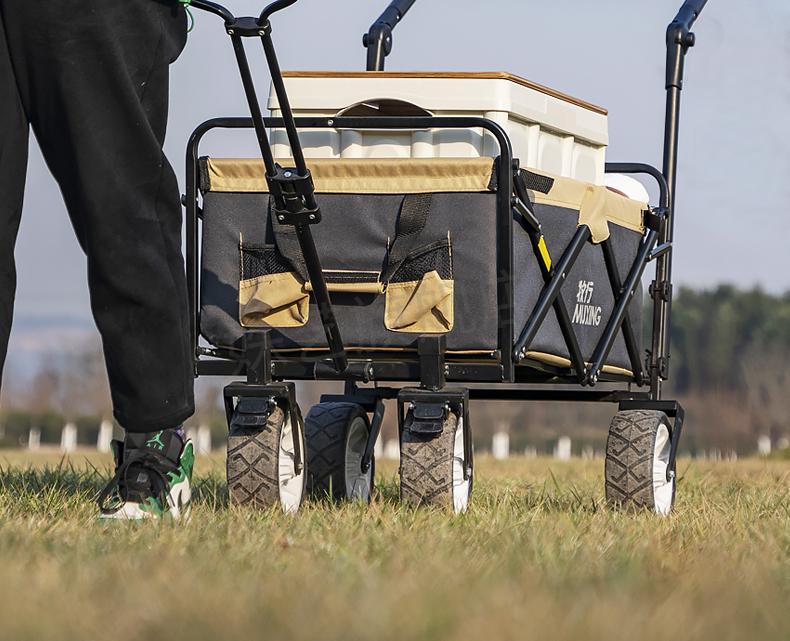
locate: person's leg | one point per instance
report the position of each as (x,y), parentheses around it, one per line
(13,165)
(93,76)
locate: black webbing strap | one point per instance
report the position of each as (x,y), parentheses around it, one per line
(529,179)
(288,245)
(536,182)
(414,214)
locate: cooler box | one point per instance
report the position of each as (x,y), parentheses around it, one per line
(549,131)
(389,287)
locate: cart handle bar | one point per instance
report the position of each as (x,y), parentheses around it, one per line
(688,14)
(378,40)
(229,18)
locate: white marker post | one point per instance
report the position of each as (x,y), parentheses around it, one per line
(392,450)
(34,439)
(104,440)
(68,438)
(500,446)
(563,450)
(764,445)
(203,444)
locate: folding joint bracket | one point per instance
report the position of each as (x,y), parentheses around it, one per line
(248,28)
(660,365)
(379,32)
(292,191)
(304,217)
(661,291)
(655,217)
(680,35)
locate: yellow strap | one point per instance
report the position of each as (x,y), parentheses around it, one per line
(544,252)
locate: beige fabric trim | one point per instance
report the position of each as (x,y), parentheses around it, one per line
(423,306)
(361,176)
(351,288)
(597,206)
(559,361)
(276,300)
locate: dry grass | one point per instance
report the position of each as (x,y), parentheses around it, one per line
(538,556)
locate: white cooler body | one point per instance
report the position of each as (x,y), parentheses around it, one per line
(549,131)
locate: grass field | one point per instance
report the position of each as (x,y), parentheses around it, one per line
(537,557)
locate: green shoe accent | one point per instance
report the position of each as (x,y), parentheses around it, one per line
(156,441)
(186,464)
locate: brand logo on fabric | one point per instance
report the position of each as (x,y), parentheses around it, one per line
(585,313)
(156,441)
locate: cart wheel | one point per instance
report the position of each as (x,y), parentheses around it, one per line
(261,464)
(637,458)
(432,468)
(337,434)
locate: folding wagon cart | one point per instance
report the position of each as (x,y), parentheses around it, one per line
(400,246)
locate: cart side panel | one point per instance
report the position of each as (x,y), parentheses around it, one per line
(587,293)
(354,236)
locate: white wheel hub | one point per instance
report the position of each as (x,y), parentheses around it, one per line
(358,483)
(461,487)
(663,490)
(291,482)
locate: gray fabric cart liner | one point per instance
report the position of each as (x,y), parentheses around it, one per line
(354,235)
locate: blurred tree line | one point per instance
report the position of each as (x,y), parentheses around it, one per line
(730,367)
(732,341)
(731,364)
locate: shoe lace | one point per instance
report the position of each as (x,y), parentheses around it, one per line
(155,464)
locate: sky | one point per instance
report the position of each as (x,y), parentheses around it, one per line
(733,218)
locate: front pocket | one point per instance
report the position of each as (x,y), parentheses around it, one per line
(420,296)
(270,293)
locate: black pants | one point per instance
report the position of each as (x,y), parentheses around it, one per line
(91,78)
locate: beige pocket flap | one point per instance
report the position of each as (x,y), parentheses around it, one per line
(593,212)
(274,300)
(420,306)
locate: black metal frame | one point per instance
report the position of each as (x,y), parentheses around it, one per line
(294,204)
(506,359)
(378,40)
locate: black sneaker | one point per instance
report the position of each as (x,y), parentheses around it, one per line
(152,478)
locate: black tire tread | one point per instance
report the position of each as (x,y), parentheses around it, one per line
(629,458)
(426,467)
(252,466)
(326,431)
